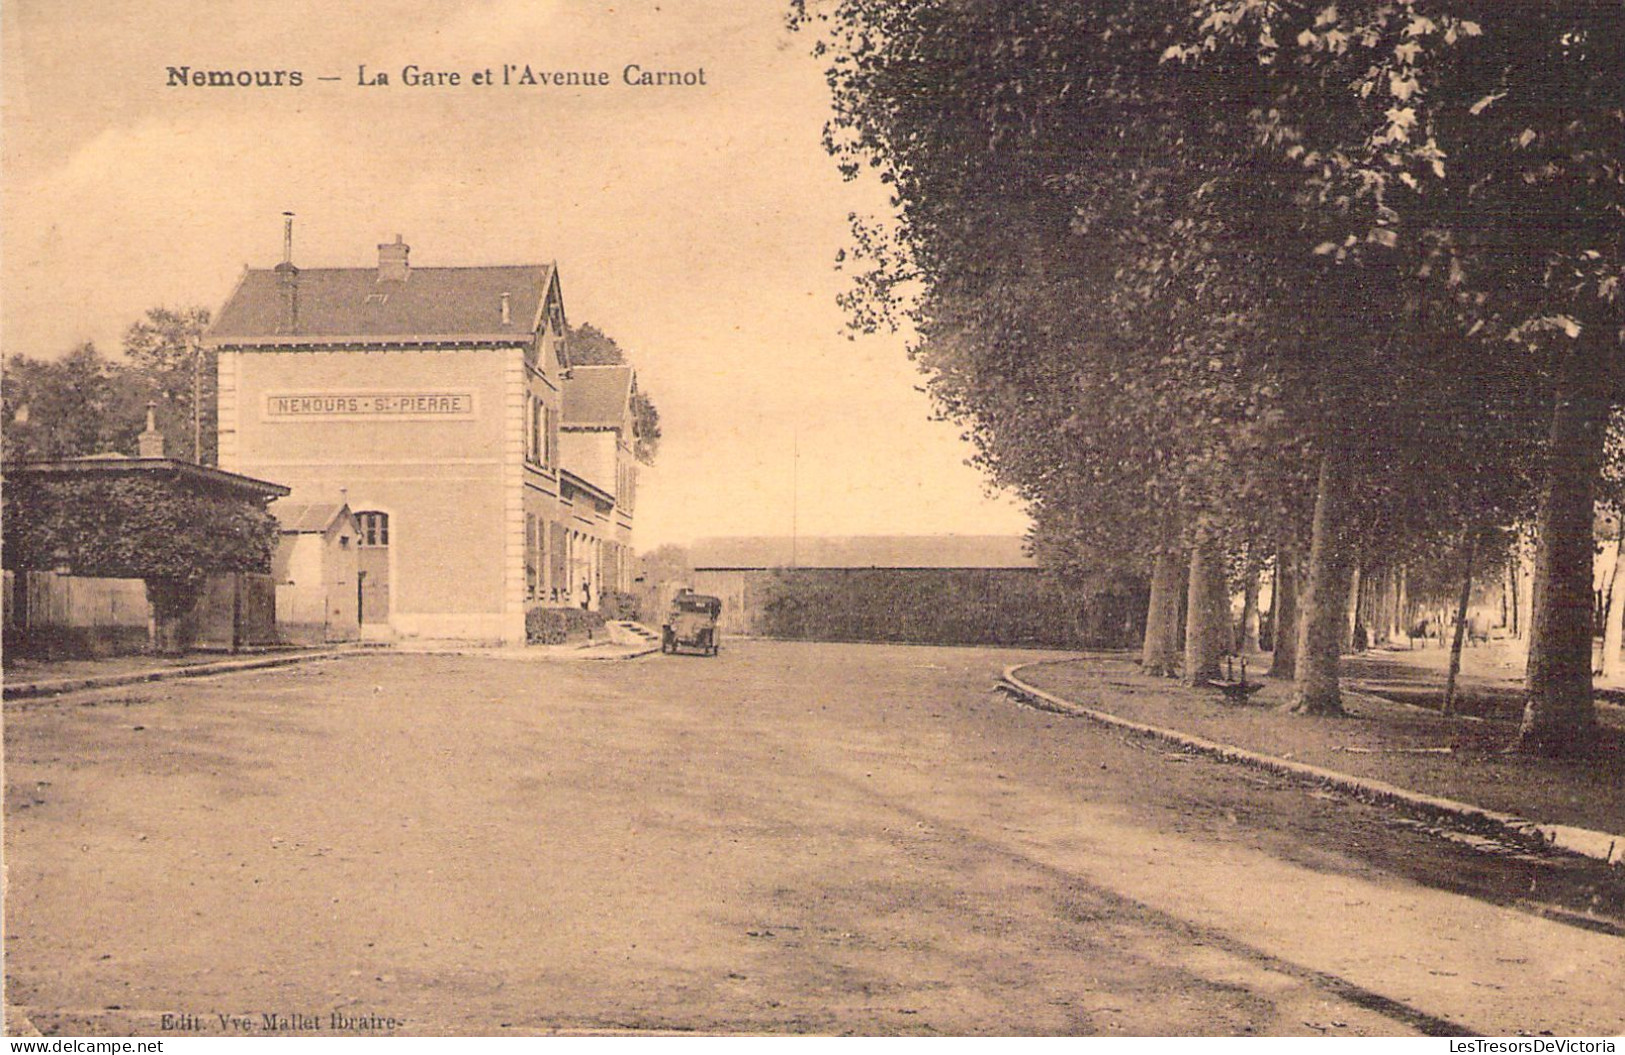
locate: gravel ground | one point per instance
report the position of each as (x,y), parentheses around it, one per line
(1462,758)
(789,838)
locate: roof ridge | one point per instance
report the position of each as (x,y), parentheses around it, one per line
(416,267)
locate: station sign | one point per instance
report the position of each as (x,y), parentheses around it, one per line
(345,406)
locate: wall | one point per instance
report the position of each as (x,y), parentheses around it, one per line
(744,596)
(590,454)
(990,606)
(452,484)
(315,588)
(60,615)
(301,597)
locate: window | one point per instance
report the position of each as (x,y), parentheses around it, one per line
(532,565)
(374,529)
(538,414)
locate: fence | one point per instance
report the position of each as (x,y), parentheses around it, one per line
(53,615)
(50,615)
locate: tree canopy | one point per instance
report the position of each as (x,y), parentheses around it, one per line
(89,403)
(129,526)
(1189,271)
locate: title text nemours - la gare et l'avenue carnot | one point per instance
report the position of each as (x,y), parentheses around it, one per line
(414,76)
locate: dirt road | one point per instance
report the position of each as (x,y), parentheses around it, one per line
(787,838)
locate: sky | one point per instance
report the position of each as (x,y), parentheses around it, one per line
(697,225)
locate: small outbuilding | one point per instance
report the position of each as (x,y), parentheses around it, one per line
(83,535)
(315,568)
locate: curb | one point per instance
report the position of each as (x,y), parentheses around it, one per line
(59,686)
(17,1024)
(633,655)
(517,655)
(1601,846)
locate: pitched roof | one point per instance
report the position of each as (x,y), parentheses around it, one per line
(308,517)
(352,302)
(596,396)
(863,551)
(105,466)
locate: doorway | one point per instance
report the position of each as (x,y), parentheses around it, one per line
(372,584)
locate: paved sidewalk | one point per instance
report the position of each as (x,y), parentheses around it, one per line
(574,651)
(1385,750)
(37,679)
(53,679)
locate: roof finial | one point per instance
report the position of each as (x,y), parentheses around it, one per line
(150,444)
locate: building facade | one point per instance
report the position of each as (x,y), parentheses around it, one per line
(316,569)
(430,401)
(598,447)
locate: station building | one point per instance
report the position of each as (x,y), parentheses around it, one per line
(436,404)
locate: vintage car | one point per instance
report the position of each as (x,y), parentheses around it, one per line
(691,623)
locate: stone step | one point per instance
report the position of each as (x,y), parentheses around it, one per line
(626,631)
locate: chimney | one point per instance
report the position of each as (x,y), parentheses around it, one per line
(507,314)
(150,444)
(392,265)
(288,279)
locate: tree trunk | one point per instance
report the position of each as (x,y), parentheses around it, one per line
(1615,627)
(1396,612)
(1351,639)
(1323,615)
(1160,655)
(1204,636)
(1559,717)
(1515,594)
(1271,617)
(1224,622)
(1377,604)
(1461,626)
(1506,615)
(1284,626)
(1526,592)
(1402,605)
(1249,609)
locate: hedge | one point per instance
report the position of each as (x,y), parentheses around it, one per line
(950,606)
(556,626)
(617,606)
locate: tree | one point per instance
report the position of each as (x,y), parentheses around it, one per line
(165,347)
(1141,236)
(668,563)
(1096,280)
(86,403)
(78,405)
(1613,499)
(645,427)
(1494,147)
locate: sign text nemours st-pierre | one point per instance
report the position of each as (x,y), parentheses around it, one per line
(306,406)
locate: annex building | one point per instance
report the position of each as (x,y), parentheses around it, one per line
(484,475)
